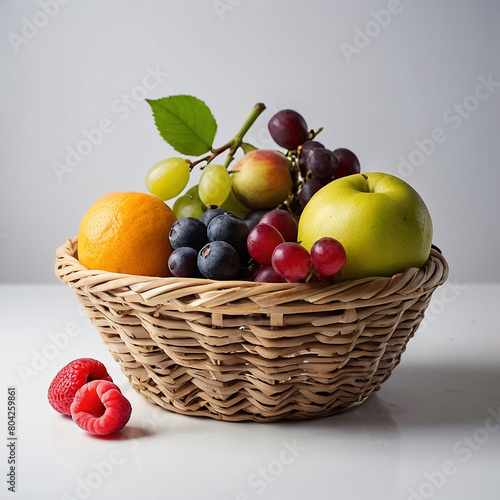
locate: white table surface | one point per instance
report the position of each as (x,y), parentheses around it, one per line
(432,431)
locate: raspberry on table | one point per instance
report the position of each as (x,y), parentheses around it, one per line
(70,378)
(100,408)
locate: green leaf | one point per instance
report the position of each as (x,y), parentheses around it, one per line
(185,122)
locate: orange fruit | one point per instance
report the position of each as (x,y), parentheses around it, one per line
(126,232)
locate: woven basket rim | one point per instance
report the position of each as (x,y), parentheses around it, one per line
(412,281)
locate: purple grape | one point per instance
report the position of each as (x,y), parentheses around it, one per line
(311,187)
(348,163)
(288,129)
(253,217)
(323,163)
(305,150)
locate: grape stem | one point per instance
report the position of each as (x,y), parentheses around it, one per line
(234,143)
(238,138)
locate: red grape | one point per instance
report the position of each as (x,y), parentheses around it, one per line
(261,242)
(283,221)
(348,163)
(328,257)
(266,274)
(292,261)
(288,129)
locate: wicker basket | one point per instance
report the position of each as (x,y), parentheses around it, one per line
(238,350)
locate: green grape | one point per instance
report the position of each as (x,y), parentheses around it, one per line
(193,191)
(215,185)
(168,178)
(189,205)
(233,204)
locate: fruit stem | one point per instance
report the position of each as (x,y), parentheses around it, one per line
(234,143)
(238,138)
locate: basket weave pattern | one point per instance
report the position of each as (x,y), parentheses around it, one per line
(238,350)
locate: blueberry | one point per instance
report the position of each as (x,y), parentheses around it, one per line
(229,228)
(188,232)
(183,262)
(212,213)
(218,260)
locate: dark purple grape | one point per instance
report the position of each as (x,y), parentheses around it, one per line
(295,207)
(311,187)
(288,129)
(253,217)
(230,228)
(348,163)
(218,260)
(323,163)
(188,232)
(305,150)
(247,271)
(183,262)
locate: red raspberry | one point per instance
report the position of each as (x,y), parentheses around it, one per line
(100,408)
(74,375)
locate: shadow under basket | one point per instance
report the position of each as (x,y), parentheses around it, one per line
(239,350)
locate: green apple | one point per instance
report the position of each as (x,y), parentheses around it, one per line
(382,222)
(262,179)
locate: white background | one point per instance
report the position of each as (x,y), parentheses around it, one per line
(377,82)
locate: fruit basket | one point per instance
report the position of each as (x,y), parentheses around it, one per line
(241,350)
